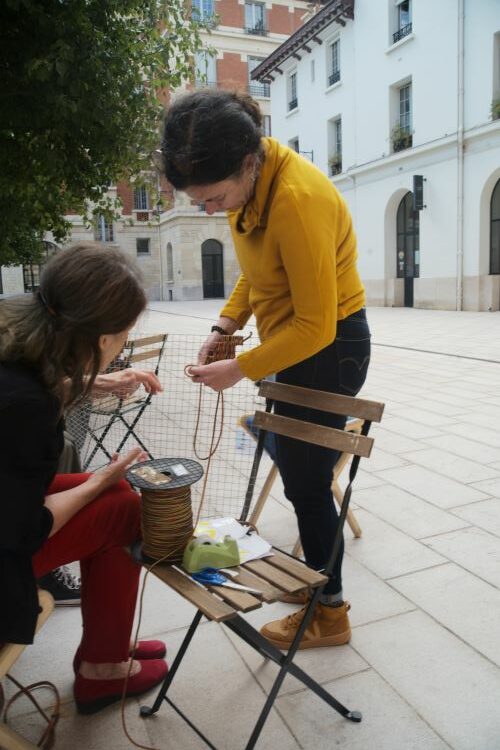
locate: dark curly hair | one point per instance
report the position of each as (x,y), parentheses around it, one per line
(207,135)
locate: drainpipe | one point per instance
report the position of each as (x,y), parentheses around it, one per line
(160,254)
(460,157)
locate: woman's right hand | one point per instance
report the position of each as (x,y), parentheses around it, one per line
(116,469)
(208,346)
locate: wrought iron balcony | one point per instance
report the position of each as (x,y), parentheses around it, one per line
(260,90)
(293,104)
(334,77)
(258,30)
(401,33)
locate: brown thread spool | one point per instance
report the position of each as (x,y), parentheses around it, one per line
(166,512)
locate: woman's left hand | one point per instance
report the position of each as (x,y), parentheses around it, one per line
(217,375)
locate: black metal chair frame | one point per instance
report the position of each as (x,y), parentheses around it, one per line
(122,408)
(240,626)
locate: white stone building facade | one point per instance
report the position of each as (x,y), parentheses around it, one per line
(378,92)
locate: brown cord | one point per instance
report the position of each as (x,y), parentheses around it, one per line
(167,514)
(47,738)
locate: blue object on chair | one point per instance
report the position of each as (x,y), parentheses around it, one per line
(269,442)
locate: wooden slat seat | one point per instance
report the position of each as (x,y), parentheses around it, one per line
(275,575)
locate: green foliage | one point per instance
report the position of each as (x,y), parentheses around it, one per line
(79,103)
(495,109)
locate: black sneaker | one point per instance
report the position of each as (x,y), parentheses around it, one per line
(64,587)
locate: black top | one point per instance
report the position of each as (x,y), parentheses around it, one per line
(31,439)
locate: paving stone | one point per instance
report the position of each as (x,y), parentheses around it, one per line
(386,551)
(389,723)
(408,513)
(473,549)
(460,601)
(485,514)
(470,449)
(435,488)
(455,467)
(452,687)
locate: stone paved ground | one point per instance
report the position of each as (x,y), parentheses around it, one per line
(424,580)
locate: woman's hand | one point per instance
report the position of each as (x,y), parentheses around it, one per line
(116,469)
(64,505)
(125,382)
(218,375)
(229,326)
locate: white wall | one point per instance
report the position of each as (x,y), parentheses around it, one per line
(374,179)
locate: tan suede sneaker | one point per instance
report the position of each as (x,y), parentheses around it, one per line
(301,597)
(329,626)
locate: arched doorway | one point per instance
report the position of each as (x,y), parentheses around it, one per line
(212,269)
(495,230)
(408,246)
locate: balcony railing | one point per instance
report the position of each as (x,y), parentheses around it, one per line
(258,30)
(293,104)
(259,89)
(401,33)
(334,77)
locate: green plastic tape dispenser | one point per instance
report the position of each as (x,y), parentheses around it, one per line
(203,552)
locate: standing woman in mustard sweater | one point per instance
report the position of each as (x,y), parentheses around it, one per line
(296,247)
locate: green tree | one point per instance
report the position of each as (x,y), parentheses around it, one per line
(80,86)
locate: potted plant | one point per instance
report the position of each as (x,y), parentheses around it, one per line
(335,163)
(401,137)
(495,109)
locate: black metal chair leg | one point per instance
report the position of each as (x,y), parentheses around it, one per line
(149,710)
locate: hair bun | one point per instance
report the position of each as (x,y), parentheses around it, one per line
(250,106)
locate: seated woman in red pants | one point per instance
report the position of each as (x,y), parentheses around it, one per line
(53,344)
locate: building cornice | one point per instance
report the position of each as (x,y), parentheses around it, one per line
(336,11)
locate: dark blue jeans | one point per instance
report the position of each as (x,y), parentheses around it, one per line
(306,469)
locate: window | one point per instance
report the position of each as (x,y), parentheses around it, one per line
(335,137)
(334,66)
(495,230)
(141,199)
(255,19)
(202,9)
(293,101)
(403,20)
(255,88)
(104,231)
(294,144)
(170,263)
(402,132)
(266,125)
(205,69)
(32,271)
(142,245)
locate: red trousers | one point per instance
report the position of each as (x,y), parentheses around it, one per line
(97,536)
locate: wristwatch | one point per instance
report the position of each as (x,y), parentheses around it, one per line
(218,329)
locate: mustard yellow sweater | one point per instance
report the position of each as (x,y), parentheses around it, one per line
(297,252)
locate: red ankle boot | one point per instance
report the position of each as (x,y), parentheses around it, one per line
(143,650)
(93,695)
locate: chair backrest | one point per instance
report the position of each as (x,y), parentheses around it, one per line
(347,442)
(144,348)
(356,443)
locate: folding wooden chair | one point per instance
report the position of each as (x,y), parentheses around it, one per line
(9,654)
(352,425)
(280,573)
(105,411)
